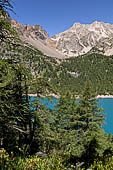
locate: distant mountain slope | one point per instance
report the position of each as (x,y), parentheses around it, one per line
(96,68)
(64,74)
(85,38)
(37,37)
(80,39)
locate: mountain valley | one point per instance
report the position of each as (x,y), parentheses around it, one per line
(45,55)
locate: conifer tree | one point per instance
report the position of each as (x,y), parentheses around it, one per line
(65,122)
(90,116)
(8,35)
(90,120)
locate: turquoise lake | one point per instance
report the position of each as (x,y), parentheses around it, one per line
(106,104)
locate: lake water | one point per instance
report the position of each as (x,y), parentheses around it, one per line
(106,104)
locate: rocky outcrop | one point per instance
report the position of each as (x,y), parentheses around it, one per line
(36,31)
(84,38)
(78,40)
(37,37)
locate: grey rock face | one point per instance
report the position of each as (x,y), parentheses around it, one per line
(37,37)
(83,38)
(36,31)
(78,40)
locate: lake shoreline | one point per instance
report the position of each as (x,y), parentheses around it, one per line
(104,96)
(56,96)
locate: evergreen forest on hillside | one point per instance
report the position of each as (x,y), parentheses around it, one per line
(65,74)
(94,67)
(33,137)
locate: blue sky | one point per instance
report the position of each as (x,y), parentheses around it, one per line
(58,15)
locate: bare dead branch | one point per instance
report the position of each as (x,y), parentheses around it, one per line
(18,128)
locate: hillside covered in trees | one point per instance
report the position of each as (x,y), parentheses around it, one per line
(69,74)
(34,137)
(94,67)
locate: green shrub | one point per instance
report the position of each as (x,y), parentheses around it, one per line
(9,162)
(106,164)
(31,163)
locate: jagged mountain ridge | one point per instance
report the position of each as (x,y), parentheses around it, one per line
(37,37)
(85,38)
(35,31)
(77,40)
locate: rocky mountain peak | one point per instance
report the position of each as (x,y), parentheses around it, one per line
(83,38)
(35,31)
(37,37)
(16,24)
(76,24)
(80,39)
(27,27)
